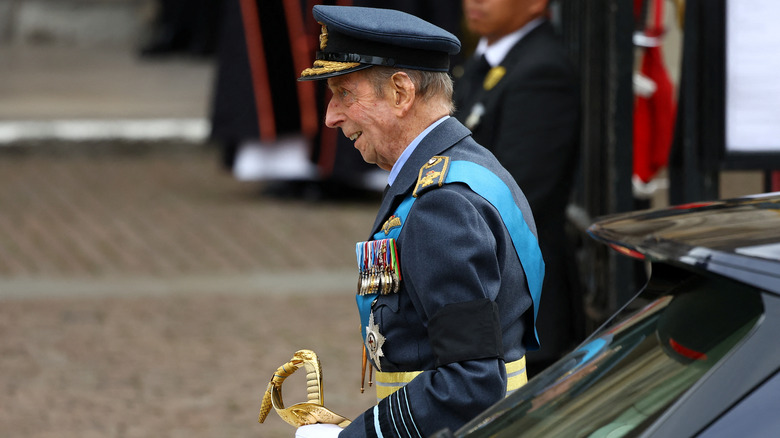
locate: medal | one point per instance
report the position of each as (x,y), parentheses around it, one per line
(374,342)
(379,273)
(475,116)
(378,269)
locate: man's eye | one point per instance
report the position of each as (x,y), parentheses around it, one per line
(344,93)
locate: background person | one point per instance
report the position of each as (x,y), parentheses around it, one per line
(519,97)
(267,125)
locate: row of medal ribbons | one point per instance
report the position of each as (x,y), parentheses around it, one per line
(379,272)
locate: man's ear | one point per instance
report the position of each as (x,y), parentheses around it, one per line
(403,92)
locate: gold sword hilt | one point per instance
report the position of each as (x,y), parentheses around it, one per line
(310,412)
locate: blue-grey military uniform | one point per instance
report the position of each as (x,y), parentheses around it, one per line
(470,264)
(453,248)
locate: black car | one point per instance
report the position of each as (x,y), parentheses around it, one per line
(695,353)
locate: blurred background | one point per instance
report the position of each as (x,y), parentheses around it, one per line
(150,285)
(144,289)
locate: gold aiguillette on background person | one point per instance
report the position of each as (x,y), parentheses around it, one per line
(300,414)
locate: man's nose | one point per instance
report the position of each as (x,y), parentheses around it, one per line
(333,115)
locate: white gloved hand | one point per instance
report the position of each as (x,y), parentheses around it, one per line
(318,430)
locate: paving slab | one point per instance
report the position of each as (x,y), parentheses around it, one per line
(146,292)
(143,290)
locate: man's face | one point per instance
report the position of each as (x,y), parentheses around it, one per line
(364,117)
(494,19)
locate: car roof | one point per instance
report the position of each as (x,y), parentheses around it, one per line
(736,238)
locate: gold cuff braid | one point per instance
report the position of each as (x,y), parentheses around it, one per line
(300,414)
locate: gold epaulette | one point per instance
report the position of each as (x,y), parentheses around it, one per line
(432,174)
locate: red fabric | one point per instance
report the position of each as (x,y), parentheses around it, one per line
(775,181)
(654,115)
(638,9)
(258,69)
(303,49)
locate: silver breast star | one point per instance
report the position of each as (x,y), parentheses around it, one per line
(374,341)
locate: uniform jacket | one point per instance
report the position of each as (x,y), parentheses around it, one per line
(453,248)
(531,123)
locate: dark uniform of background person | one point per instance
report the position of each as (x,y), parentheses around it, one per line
(263,45)
(526,111)
(187,27)
(462,314)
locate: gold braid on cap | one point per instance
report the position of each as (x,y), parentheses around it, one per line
(321,67)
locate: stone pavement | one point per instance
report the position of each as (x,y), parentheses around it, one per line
(144,291)
(53,85)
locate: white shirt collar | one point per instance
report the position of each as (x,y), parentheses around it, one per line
(496,52)
(409,149)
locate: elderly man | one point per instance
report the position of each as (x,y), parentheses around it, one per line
(451,273)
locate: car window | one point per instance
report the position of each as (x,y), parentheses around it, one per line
(625,376)
(755,416)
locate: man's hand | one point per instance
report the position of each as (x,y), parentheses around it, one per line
(318,430)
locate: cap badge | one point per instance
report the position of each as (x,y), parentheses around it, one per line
(323,37)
